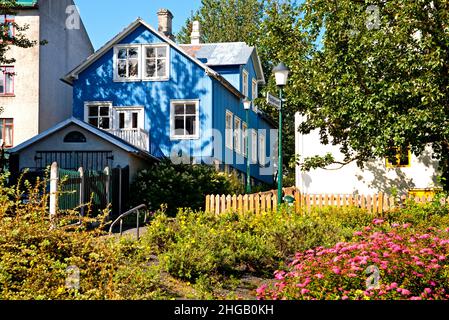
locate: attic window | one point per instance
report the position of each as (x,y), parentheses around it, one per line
(75,137)
(156,62)
(127,63)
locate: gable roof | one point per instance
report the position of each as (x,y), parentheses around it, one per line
(73,75)
(225,54)
(118,142)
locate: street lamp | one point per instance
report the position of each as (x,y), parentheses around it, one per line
(281,73)
(247,107)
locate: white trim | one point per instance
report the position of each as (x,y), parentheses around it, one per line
(129,110)
(262,149)
(245,83)
(167,64)
(245,139)
(238,135)
(173,102)
(229,133)
(254,93)
(88,104)
(116,78)
(254,149)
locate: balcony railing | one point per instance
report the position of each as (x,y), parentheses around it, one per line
(137,137)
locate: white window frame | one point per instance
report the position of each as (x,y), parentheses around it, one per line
(245,83)
(174,136)
(237,134)
(254,149)
(128,117)
(262,149)
(139,59)
(245,139)
(167,62)
(88,104)
(255,93)
(229,132)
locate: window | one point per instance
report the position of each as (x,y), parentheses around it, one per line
(6,81)
(99,115)
(237,135)
(156,62)
(403,159)
(255,94)
(134,120)
(75,137)
(184,120)
(7,25)
(245,138)
(6,132)
(229,130)
(128,118)
(262,149)
(127,66)
(245,83)
(254,146)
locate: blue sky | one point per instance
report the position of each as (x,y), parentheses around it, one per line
(105,18)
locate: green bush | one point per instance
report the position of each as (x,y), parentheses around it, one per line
(179,186)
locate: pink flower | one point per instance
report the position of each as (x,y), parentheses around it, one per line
(261,289)
(415,298)
(425,236)
(344,298)
(279,275)
(378,221)
(395,225)
(406,225)
(304,291)
(428,290)
(336,270)
(392,286)
(405,292)
(319,276)
(358,233)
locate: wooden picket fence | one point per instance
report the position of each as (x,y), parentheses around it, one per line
(267,201)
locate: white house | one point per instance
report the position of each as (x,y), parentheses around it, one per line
(412,174)
(32,95)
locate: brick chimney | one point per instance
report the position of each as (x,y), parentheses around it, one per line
(196,33)
(165,19)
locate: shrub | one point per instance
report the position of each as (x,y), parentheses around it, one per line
(179,186)
(411,265)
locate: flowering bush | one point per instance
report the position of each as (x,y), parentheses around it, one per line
(382,262)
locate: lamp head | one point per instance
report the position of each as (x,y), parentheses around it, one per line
(281,73)
(247,104)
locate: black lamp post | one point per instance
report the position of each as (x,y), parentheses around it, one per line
(281,73)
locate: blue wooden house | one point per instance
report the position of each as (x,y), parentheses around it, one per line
(178,101)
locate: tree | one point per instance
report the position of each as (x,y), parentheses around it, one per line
(8,38)
(379,81)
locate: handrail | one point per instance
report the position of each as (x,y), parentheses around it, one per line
(127,213)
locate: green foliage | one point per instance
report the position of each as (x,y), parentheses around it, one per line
(35,256)
(179,186)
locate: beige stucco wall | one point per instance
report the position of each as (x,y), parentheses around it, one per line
(350,179)
(24,106)
(55,142)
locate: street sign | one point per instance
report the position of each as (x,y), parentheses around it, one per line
(274,101)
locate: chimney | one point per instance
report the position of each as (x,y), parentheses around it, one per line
(196,33)
(165,18)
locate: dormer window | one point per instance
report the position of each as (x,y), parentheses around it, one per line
(245,85)
(141,62)
(127,63)
(156,62)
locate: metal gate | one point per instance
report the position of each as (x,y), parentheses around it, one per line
(72,160)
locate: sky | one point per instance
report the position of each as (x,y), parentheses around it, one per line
(106,18)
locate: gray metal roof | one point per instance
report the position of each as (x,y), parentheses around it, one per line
(216,54)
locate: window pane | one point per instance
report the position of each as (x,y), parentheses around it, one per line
(151,68)
(122,54)
(104,123)
(191,125)
(162,52)
(9,83)
(133,53)
(121,68)
(179,124)
(135,120)
(8,136)
(190,109)
(93,111)
(2,84)
(93,121)
(121,121)
(161,68)
(179,109)
(104,111)
(133,68)
(150,53)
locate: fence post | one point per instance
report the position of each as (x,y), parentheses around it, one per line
(82,184)
(53,191)
(119,190)
(107,172)
(208,203)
